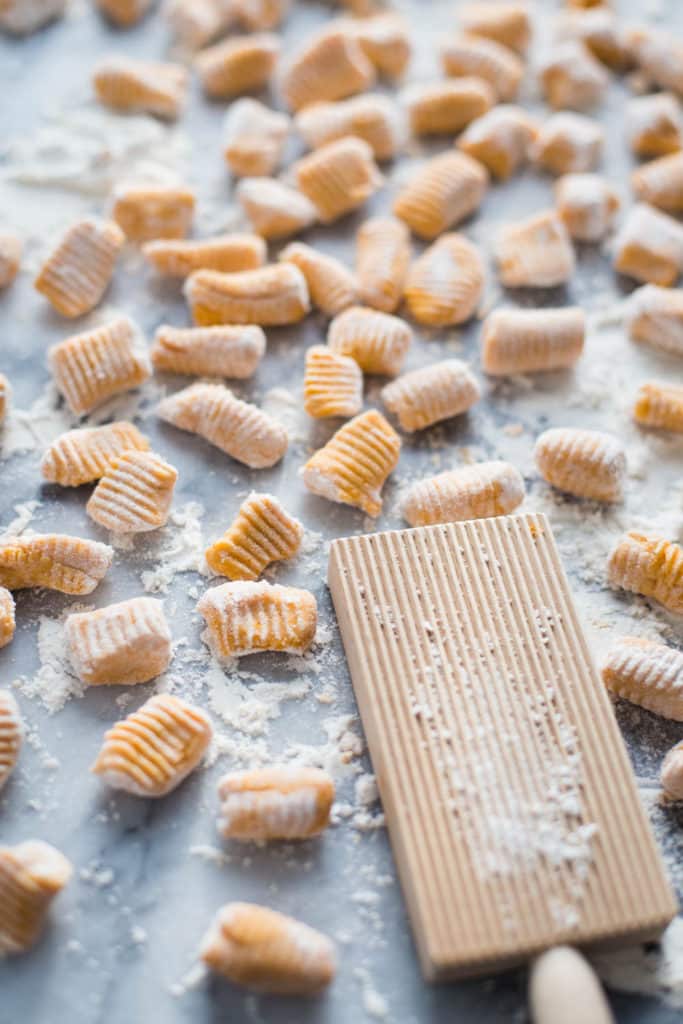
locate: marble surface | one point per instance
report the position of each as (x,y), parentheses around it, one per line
(149,874)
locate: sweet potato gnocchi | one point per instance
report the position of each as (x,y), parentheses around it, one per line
(445,108)
(646,673)
(31,876)
(444,191)
(81,456)
(55,561)
(339,177)
(532,340)
(270,296)
(262,533)
(432,393)
(147,212)
(470,492)
(649,246)
(654,125)
(506,23)
(587,204)
(239,64)
(446,283)
(585,463)
(330,66)
(274,210)
(10,257)
(254,138)
(378,342)
(244,616)
(134,494)
(571,78)
(382,261)
(660,183)
(568,143)
(372,117)
(501,140)
(535,253)
(11,735)
(331,286)
(77,273)
(121,644)
(7,617)
(228,254)
(221,351)
(654,316)
(136,86)
(275,803)
(660,406)
(481,57)
(333,384)
(649,565)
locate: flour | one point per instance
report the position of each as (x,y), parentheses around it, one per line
(374,1003)
(35,428)
(648,971)
(181,549)
(249,708)
(24,515)
(54,683)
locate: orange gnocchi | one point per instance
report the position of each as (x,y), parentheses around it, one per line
(138,86)
(587,204)
(7,619)
(339,177)
(81,456)
(134,494)
(76,275)
(501,67)
(532,340)
(244,616)
(147,212)
(647,674)
(333,384)
(31,875)
(122,644)
(239,64)
(445,108)
(221,351)
(382,261)
(649,246)
(269,297)
(571,78)
(444,191)
(660,183)
(228,254)
(254,138)
(501,140)
(654,316)
(55,561)
(275,803)
(585,463)
(649,565)
(331,286)
(275,210)
(431,394)
(10,257)
(535,253)
(660,406)
(505,23)
(445,284)
(373,117)
(471,492)
(124,13)
(330,66)
(378,342)
(568,143)
(654,125)
(11,734)
(261,534)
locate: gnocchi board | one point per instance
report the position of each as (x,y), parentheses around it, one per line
(509,797)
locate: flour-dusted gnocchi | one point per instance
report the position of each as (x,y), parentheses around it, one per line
(660,406)
(333,384)
(585,463)
(650,565)
(20,17)
(274,209)
(444,191)
(600,31)
(221,351)
(124,13)
(587,204)
(55,561)
(5,397)
(535,253)
(385,41)
(245,616)
(659,54)
(445,284)
(649,246)
(254,138)
(373,117)
(243,431)
(31,875)
(269,296)
(7,617)
(331,285)
(275,803)
(646,673)
(382,261)
(262,533)
(501,67)
(133,86)
(568,143)
(654,125)
(77,273)
(532,340)
(134,494)
(378,342)
(195,23)
(671,775)
(155,748)
(79,457)
(147,212)
(446,107)
(339,177)
(654,316)
(506,23)
(471,492)
(237,65)
(91,367)
(660,183)
(501,139)
(571,78)
(431,394)
(228,254)
(121,644)
(262,950)
(11,735)
(260,15)
(11,248)
(355,463)
(330,66)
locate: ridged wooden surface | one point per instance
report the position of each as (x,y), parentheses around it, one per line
(511,806)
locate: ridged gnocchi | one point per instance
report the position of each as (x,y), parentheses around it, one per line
(467,54)
(355,463)
(254,138)
(55,561)
(382,262)
(649,246)
(378,342)
(155,748)
(532,340)
(268,952)
(262,533)
(568,143)
(245,616)
(535,253)
(5,397)
(501,139)
(129,86)
(331,286)
(121,644)
(445,284)
(7,617)
(31,875)
(77,273)
(10,257)
(660,183)
(330,66)
(237,65)
(431,394)
(385,41)
(275,803)
(333,384)
(444,191)
(654,316)
(372,117)
(585,463)
(660,406)
(647,674)
(445,108)
(270,296)
(134,494)
(81,456)
(671,776)
(339,177)
(649,565)
(11,735)
(147,212)
(91,367)
(274,209)
(228,254)
(238,428)
(571,78)
(654,125)
(221,351)
(587,204)
(471,492)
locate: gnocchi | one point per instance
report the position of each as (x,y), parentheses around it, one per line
(505,23)
(81,456)
(373,117)
(121,644)
(134,494)
(254,138)
(11,735)
(275,803)
(568,143)
(480,57)
(649,246)
(431,394)
(501,140)
(587,204)
(261,534)
(147,212)
(382,261)
(654,316)
(647,674)
(532,340)
(378,342)
(228,254)
(333,384)
(7,617)
(55,561)
(445,284)
(331,66)
(130,86)
(339,177)
(445,108)
(237,65)
(31,875)
(572,79)
(660,183)
(660,406)
(274,210)
(221,351)
(649,565)
(654,125)
(76,275)
(245,616)
(478,491)
(268,297)
(535,253)
(585,463)
(444,191)
(331,286)
(10,257)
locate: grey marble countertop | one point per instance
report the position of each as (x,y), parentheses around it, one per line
(121,946)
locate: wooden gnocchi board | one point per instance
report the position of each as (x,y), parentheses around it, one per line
(509,798)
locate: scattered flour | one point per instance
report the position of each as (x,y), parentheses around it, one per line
(54,683)
(654,971)
(374,1003)
(24,515)
(181,550)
